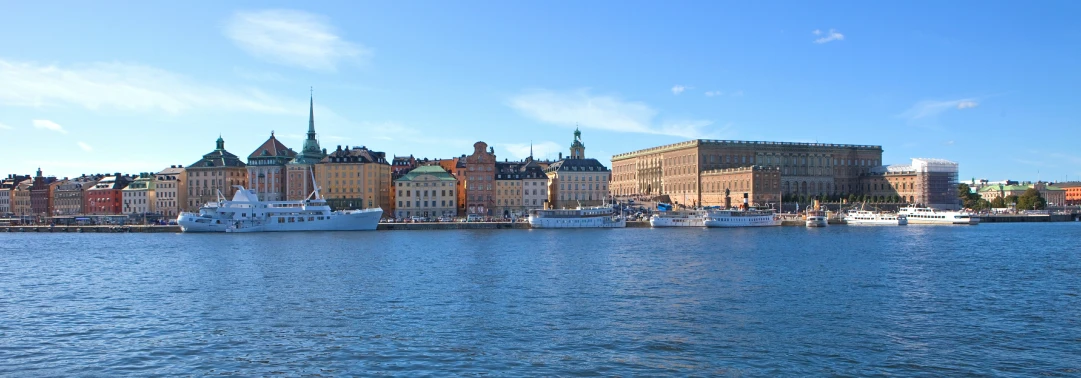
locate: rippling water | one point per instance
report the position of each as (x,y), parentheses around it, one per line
(995,299)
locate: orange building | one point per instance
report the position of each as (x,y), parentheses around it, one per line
(1073,192)
(480,180)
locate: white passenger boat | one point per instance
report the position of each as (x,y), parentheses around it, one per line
(742,218)
(863,217)
(582,217)
(683,218)
(927,215)
(246,213)
(817,219)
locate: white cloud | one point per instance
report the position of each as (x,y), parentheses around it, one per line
(541,150)
(929,108)
(49,125)
(833,35)
(6,127)
(292,38)
(967,104)
(124,86)
(714,93)
(676,90)
(85,147)
(609,113)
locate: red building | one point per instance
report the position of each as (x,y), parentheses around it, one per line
(106,198)
(480,179)
(41,195)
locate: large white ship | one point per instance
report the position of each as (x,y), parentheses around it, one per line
(864,217)
(927,215)
(246,213)
(587,217)
(684,218)
(742,218)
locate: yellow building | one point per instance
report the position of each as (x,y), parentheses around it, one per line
(217,172)
(426,191)
(576,180)
(355,178)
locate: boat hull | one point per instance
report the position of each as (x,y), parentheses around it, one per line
(676,222)
(591,222)
(753,221)
(817,221)
(358,220)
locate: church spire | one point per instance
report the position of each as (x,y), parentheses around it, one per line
(311,115)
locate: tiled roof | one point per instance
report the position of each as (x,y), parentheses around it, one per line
(272,148)
(433,170)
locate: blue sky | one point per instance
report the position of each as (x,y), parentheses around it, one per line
(136,86)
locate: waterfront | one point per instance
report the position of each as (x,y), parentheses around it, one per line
(997,299)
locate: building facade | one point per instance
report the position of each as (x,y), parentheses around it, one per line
(355,178)
(171,191)
(139,197)
(219,171)
(7,188)
(534,186)
(70,196)
(1073,192)
(576,180)
(20,198)
(807,169)
(480,180)
(427,191)
(266,169)
(299,180)
(41,199)
(761,186)
(106,197)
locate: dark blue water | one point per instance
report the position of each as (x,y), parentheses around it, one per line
(994,299)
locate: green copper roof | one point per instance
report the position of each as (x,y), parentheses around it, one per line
(433,170)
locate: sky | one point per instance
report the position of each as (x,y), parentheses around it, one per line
(121,86)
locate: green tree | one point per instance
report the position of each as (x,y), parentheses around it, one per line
(982,204)
(1031,200)
(998,202)
(1011,199)
(968,199)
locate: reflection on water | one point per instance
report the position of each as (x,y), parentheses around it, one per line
(990,299)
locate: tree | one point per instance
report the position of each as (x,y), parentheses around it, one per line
(998,202)
(968,199)
(1031,200)
(1011,199)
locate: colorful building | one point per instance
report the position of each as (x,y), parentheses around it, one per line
(355,178)
(427,191)
(139,197)
(480,180)
(217,173)
(69,198)
(299,181)
(41,200)
(7,188)
(171,191)
(266,169)
(1073,192)
(20,198)
(576,180)
(106,197)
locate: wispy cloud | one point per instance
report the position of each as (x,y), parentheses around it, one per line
(714,93)
(49,125)
(6,127)
(124,86)
(85,147)
(676,90)
(579,107)
(967,104)
(930,108)
(832,35)
(292,38)
(541,150)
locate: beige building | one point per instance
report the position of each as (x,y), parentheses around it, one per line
(20,198)
(218,172)
(139,197)
(7,187)
(534,186)
(355,178)
(577,180)
(427,191)
(171,191)
(759,185)
(807,169)
(69,198)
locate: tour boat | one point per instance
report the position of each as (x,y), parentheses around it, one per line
(690,218)
(927,215)
(246,213)
(815,217)
(582,217)
(863,217)
(742,218)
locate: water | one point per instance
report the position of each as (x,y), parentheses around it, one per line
(994,299)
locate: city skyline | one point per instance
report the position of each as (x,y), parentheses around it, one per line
(140,87)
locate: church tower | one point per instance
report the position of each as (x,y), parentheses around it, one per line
(578,150)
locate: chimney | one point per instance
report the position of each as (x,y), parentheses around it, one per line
(560,156)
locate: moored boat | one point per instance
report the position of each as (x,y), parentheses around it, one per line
(741,218)
(582,217)
(927,215)
(680,218)
(864,217)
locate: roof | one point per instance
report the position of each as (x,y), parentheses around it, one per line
(577,165)
(173,170)
(272,148)
(433,170)
(355,155)
(112,182)
(218,158)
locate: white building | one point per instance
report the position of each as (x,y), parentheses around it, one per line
(426,191)
(534,186)
(139,197)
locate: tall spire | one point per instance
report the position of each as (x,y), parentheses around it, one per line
(311,115)
(530,149)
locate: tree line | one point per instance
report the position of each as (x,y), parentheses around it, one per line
(1029,200)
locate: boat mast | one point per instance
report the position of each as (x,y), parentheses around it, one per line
(315,186)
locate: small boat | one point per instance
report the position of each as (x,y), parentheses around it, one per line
(741,218)
(816,217)
(863,217)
